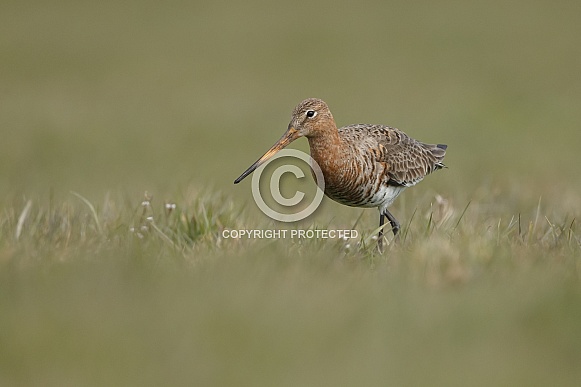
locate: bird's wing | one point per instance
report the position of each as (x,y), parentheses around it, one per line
(407,161)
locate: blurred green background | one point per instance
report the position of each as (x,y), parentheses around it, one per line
(141,95)
(178,98)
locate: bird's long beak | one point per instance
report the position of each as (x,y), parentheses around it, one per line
(290,135)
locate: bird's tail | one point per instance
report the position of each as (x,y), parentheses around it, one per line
(439,151)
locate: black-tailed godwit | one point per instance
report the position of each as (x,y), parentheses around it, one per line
(363,165)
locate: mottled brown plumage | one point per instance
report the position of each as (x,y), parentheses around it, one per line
(363,165)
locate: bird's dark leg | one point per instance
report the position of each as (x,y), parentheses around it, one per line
(394,227)
(393,221)
(380,235)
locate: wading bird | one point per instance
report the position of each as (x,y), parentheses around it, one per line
(363,165)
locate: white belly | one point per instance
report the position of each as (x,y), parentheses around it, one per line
(385,196)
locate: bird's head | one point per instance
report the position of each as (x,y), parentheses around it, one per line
(311,118)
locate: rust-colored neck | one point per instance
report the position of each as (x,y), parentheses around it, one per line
(327,150)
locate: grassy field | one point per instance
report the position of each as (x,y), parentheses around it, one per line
(112,113)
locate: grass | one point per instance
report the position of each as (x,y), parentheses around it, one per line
(139,292)
(124,125)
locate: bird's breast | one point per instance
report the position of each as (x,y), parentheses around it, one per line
(356,180)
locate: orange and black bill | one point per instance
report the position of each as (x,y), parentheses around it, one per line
(290,135)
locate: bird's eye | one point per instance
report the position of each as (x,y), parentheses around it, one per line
(311,113)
